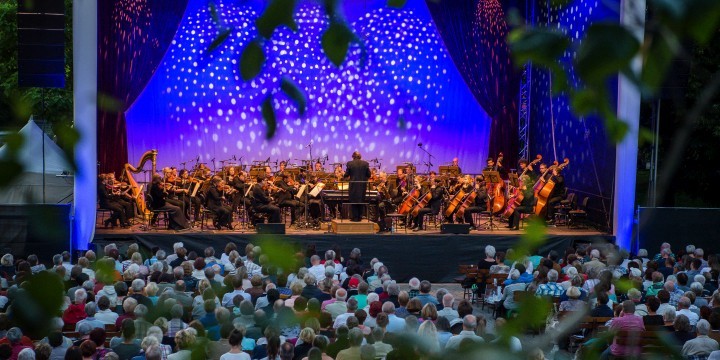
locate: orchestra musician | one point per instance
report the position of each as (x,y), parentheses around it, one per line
(319,167)
(557,193)
(526,206)
(118,210)
(237,182)
(281,171)
(214,203)
(525,164)
(268,172)
(159,196)
(176,195)
(358,172)
(262,203)
(314,202)
(122,197)
(285,197)
(187,183)
(385,206)
(433,206)
(480,203)
(456,162)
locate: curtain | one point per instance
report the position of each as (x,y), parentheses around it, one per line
(133,36)
(474,33)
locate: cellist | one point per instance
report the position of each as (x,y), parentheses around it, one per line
(526,206)
(480,203)
(557,192)
(433,206)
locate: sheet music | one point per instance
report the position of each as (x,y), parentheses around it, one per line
(301,191)
(196,186)
(316,191)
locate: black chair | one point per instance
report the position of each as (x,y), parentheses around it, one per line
(103,213)
(206,213)
(562,210)
(579,216)
(156,214)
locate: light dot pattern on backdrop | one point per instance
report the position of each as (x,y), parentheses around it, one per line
(582,140)
(395,90)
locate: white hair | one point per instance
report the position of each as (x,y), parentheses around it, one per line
(642,253)
(700,278)
(703,327)
(595,253)
(699,252)
(138,285)
(490,251)
(690,249)
(80,296)
(177,245)
(552,275)
(26,354)
(514,274)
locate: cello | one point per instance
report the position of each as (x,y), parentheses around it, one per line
(424,200)
(410,199)
(498,201)
(469,200)
(455,202)
(543,189)
(517,196)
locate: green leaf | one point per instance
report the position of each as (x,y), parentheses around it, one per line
(252,60)
(702,18)
(67,137)
(219,39)
(278,12)
(657,59)
(268,113)
(9,171)
(336,41)
(331,7)
(606,49)
(109,103)
(213,12)
(398,4)
(14,142)
(584,101)
(540,45)
(615,128)
(291,89)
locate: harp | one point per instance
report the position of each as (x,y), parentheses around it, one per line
(135,189)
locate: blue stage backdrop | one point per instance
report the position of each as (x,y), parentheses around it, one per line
(398,89)
(555,131)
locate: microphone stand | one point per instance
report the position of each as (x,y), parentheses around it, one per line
(429,162)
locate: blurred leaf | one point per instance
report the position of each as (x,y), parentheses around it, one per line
(268,113)
(541,45)
(278,12)
(336,41)
(560,3)
(14,142)
(614,127)
(291,89)
(41,299)
(331,7)
(219,39)
(9,171)
(702,18)
(559,79)
(22,107)
(398,4)
(584,101)
(280,253)
(645,136)
(109,103)
(657,59)
(671,9)
(531,239)
(252,60)
(606,49)
(213,12)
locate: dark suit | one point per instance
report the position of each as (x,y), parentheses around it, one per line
(215,204)
(358,171)
(177,218)
(263,204)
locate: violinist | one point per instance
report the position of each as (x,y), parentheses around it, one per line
(223,214)
(176,195)
(121,196)
(400,190)
(238,183)
(268,172)
(480,203)
(262,203)
(385,206)
(110,202)
(314,202)
(159,195)
(433,206)
(318,167)
(286,197)
(281,171)
(188,183)
(526,206)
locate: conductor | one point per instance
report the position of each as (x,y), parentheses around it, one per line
(358,171)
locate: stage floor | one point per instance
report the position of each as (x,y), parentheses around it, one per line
(428,255)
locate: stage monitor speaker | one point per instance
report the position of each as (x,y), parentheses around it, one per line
(270,228)
(41,43)
(455,228)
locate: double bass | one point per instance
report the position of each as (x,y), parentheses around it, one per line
(543,188)
(498,192)
(517,196)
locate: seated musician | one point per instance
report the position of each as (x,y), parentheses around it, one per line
(123,197)
(262,203)
(433,206)
(524,164)
(159,195)
(176,195)
(238,182)
(556,195)
(286,197)
(385,206)
(110,202)
(319,167)
(456,162)
(214,203)
(314,202)
(526,206)
(400,190)
(189,184)
(480,203)
(281,171)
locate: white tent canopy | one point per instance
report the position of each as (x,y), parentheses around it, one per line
(29,187)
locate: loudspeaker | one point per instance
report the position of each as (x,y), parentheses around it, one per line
(270,228)
(455,228)
(41,43)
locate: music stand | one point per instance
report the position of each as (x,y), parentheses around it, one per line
(513,178)
(492,178)
(449,170)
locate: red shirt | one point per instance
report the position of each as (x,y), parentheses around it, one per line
(628,322)
(74,313)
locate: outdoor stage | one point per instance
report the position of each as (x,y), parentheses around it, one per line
(428,255)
